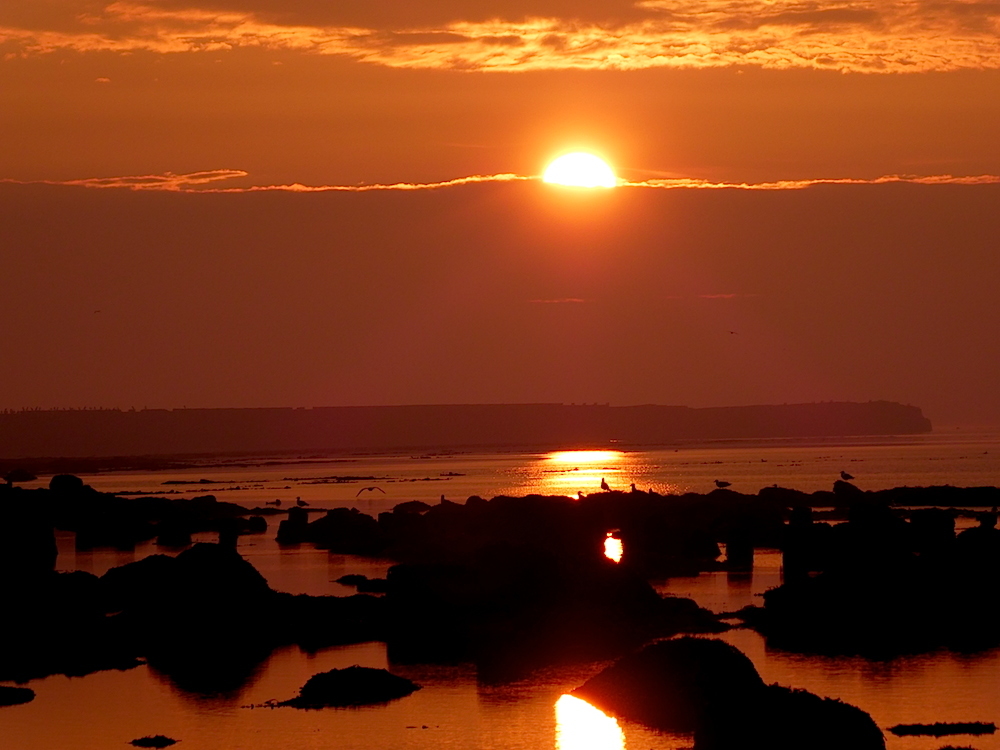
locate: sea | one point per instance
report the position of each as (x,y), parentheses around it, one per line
(454,709)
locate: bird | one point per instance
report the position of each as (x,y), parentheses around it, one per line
(721,484)
(845,476)
(632,488)
(605,486)
(369,489)
(276,501)
(580,495)
(300,502)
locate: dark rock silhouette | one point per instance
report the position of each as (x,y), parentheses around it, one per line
(943,729)
(156,740)
(15,476)
(15,696)
(672,685)
(711,689)
(514,609)
(886,585)
(353,686)
(294,529)
(345,531)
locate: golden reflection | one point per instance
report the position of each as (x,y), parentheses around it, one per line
(613,547)
(570,472)
(580,726)
(577,458)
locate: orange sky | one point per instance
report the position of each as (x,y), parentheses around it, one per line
(468,292)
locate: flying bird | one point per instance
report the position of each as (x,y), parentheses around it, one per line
(845,476)
(722,485)
(605,486)
(370,489)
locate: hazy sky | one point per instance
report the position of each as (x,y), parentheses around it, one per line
(499,290)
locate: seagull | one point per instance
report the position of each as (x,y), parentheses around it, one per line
(276,501)
(369,489)
(722,485)
(300,502)
(845,476)
(580,495)
(605,486)
(632,487)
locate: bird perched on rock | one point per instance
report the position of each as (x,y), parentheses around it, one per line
(300,502)
(605,486)
(722,485)
(845,476)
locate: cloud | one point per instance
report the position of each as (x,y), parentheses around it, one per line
(695,184)
(195,182)
(866,36)
(201,182)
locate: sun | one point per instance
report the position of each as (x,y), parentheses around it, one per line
(580,169)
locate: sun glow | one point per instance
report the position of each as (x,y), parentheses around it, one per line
(613,547)
(581,726)
(580,169)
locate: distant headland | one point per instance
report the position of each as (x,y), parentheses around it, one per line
(151,432)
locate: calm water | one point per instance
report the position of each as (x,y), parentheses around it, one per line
(959,458)
(108,709)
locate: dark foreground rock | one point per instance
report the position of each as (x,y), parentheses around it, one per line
(15,696)
(513,610)
(713,690)
(353,686)
(206,618)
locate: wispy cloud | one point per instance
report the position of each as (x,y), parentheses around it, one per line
(203,182)
(196,182)
(869,36)
(695,184)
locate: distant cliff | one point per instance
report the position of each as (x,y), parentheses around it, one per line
(109,432)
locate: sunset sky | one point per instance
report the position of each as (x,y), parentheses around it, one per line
(174,232)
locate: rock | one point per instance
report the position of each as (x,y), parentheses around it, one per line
(156,740)
(352,579)
(15,696)
(674,685)
(354,686)
(712,689)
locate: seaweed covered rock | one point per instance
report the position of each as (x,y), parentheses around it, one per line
(15,696)
(353,686)
(713,690)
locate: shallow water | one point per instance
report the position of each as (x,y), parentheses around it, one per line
(959,458)
(453,710)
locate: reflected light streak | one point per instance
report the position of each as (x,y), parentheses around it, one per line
(566,472)
(576,458)
(613,547)
(580,726)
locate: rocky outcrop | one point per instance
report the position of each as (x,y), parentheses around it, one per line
(15,696)
(353,686)
(713,690)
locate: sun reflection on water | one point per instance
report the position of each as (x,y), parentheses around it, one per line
(613,547)
(567,472)
(580,726)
